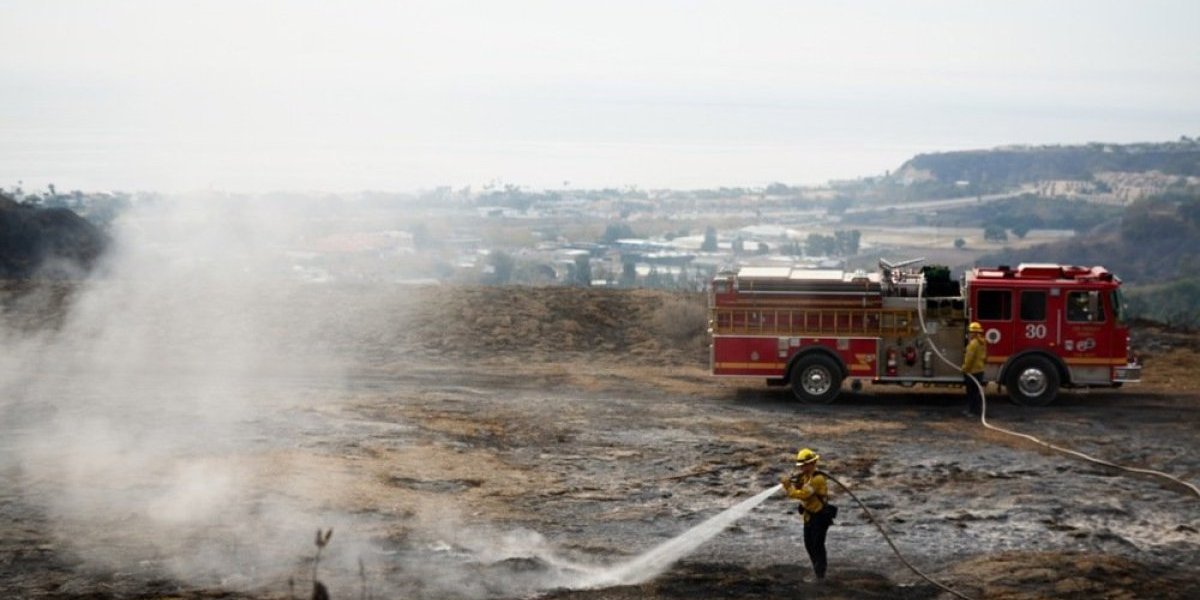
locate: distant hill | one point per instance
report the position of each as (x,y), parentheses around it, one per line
(1154,247)
(45,242)
(1156,240)
(1120,171)
(1023,164)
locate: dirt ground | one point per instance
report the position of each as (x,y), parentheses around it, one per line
(508,442)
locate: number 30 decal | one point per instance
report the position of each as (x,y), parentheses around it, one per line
(1035,332)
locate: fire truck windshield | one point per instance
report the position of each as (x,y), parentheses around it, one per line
(1118,304)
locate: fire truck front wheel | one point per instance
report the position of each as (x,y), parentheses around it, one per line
(816,379)
(1032,381)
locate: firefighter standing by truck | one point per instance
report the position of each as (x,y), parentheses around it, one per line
(974,359)
(811,489)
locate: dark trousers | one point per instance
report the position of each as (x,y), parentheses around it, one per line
(814,542)
(974,398)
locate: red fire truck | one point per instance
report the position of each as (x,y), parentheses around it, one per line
(1047,326)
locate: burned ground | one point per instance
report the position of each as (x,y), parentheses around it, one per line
(500,442)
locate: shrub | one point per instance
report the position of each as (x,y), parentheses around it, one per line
(681,318)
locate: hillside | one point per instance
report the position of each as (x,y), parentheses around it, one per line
(1154,247)
(45,242)
(1155,240)
(1007,167)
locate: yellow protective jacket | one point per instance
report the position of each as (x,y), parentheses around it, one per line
(975,356)
(810,490)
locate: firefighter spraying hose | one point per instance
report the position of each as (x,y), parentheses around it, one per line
(808,485)
(983,410)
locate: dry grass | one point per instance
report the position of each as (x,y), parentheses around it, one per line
(681,318)
(1173,371)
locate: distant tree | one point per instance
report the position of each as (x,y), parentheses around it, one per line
(583,270)
(1175,303)
(847,242)
(1020,231)
(739,245)
(628,273)
(502,266)
(839,205)
(820,245)
(51,200)
(102,211)
(1189,209)
(616,231)
(710,240)
(995,233)
(778,189)
(960,243)
(654,278)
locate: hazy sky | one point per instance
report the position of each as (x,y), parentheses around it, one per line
(352,95)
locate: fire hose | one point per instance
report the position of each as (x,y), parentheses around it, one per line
(983,412)
(888,539)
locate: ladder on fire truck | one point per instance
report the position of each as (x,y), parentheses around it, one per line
(856,322)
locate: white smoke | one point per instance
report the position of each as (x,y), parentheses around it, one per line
(142,419)
(170,421)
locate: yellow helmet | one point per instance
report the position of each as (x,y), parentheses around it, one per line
(805,456)
(975,327)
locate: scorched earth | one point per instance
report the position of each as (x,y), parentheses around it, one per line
(519,442)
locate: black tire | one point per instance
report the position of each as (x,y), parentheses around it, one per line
(816,379)
(1032,381)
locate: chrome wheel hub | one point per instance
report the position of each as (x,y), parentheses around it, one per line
(816,381)
(1032,382)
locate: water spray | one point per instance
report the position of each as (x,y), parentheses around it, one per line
(656,561)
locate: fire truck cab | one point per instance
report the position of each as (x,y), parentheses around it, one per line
(1047,326)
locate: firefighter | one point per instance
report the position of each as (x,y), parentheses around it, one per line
(973,361)
(809,487)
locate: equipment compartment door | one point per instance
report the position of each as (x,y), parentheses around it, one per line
(747,356)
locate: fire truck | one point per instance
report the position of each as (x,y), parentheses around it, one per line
(1048,326)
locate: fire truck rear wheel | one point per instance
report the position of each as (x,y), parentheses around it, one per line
(816,379)
(1032,381)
